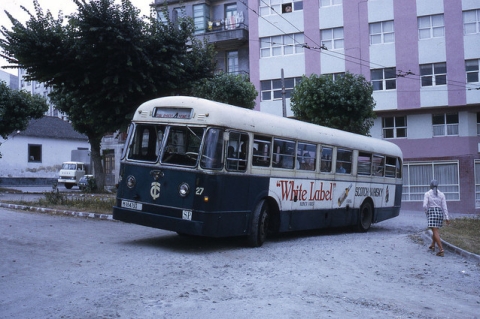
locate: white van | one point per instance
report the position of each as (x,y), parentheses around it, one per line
(71,173)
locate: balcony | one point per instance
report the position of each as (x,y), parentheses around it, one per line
(227,34)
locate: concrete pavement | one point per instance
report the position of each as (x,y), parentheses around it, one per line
(39,190)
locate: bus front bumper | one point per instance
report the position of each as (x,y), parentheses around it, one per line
(159,221)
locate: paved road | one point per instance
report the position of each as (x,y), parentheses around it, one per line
(64,267)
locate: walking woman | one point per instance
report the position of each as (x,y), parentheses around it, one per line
(435,207)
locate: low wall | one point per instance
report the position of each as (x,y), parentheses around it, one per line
(26,181)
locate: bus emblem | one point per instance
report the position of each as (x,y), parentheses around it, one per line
(155,190)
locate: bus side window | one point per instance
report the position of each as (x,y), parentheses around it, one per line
(344,161)
(378,164)
(212,153)
(390,167)
(307,154)
(261,150)
(283,154)
(326,159)
(237,151)
(364,163)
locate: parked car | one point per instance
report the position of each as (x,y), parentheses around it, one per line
(87,181)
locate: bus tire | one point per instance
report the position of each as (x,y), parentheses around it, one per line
(68,186)
(259,225)
(365,217)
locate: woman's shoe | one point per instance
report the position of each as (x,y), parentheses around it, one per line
(440,253)
(431,247)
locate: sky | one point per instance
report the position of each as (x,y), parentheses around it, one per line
(67,6)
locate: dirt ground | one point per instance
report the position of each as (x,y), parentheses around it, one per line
(64,267)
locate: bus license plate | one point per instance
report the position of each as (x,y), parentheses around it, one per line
(187,214)
(131,205)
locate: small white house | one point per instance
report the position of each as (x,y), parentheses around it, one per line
(37,153)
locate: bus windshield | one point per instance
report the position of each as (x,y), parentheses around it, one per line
(180,144)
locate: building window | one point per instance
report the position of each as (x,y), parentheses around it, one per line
(329,3)
(382,32)
(417,177)
(471,21)
(384,79)
(268,7)
(433,74)
(477,183)
(231,15)
(272,89)
(431,26)
(35,153)
(471,67)
(332,38)
(445,124)
(478,123)
(394,127)
(177,15)
(201,16)
(335,76)
(232,62)
(282,45)
(162,16)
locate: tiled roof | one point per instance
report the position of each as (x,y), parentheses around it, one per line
(52,127)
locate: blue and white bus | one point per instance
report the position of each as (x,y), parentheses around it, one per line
(204,168)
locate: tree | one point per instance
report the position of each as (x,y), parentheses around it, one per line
(17,108)
(346,103)
(226,88)
(104,62)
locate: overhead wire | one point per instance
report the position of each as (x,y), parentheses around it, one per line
(348,58)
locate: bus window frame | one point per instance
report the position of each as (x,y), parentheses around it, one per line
(281,155)
(326,161)
(237,161)
(346,164)
(260,159)
(306,163)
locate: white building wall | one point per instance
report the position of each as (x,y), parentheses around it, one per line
(330,17)
(380,10)
(419,126)
(428,7)
(14,161)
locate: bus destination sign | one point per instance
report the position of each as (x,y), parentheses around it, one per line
(172,113)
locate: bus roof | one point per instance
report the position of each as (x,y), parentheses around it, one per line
(206,112)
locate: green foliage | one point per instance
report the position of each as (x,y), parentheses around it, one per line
(104,62)
(346,103)
(227,88)
(17,108)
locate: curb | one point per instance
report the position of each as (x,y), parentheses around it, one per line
(57,211)
(427,235)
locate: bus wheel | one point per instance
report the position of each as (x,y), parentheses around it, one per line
(365,216)
(68,186)
(259,226)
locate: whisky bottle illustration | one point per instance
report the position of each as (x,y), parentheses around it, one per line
(344,195)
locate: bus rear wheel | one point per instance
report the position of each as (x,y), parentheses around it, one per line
(259,225)
(365,216)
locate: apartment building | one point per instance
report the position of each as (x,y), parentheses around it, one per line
(422,57)
(223,23)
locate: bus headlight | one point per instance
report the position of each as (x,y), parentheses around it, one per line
(131,181)
(183,189)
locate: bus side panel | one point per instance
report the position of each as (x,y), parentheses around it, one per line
(385,213)
(235,196)
(317,219)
